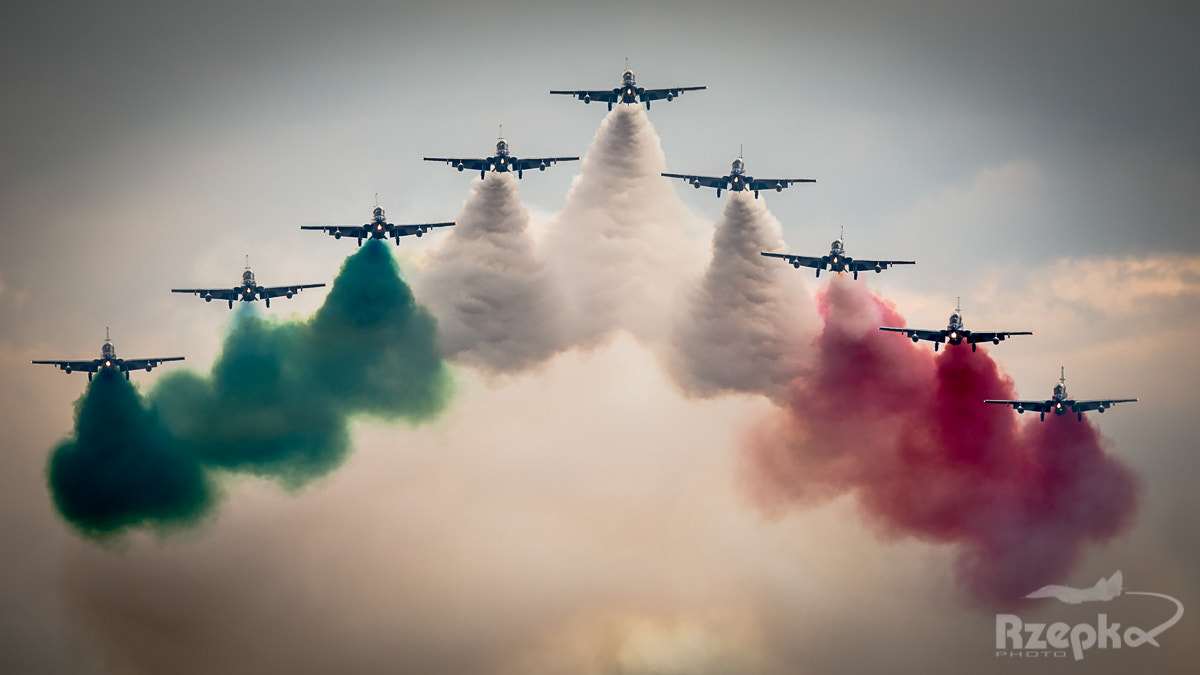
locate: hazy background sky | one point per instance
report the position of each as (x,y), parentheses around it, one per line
(1038,159)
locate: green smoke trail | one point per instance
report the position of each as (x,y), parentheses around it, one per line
(280,396)
(122,468)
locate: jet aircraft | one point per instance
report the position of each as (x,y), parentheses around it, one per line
(737,180)
(501,161)
(838,261)
(249,291)
(628,92)
(1103,591)
(954,333)
(1059,404)
(378,228)
(108,361)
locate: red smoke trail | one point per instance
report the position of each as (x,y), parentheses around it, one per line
(909,434)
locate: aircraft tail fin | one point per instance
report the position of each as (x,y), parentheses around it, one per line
(1114,584)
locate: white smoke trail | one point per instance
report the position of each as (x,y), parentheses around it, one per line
(499,307)
(623,240)
(750,319)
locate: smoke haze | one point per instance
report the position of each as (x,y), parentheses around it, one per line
(122,468)
(498,306)
(908,434)
(276,404)
(748,321)
(623,242)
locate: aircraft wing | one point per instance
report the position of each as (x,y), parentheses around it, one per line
(343,230)
(139,364)
(857,265)
(706,181)
(276,291)
(973,337)
(1098,404)
(406,230)
(539,162)
(89,366)
(461,163)
(216,293)
(603,95)
(931,335)
(672,92)
(775,183)
(798,260)
(1033,406)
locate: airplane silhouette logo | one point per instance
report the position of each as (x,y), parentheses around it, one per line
(1104,591)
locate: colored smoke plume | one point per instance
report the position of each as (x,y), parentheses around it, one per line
(908,433)
(746,327)
(276,404)
(623,241)
(122,468)
(498,306)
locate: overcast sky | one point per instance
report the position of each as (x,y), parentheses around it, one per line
(1040,160)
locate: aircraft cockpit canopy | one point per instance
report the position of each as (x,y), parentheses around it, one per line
(836,246)
(1060,391)
(378,214)
(739,166)
(107,350)
(502,147)
(627,78)
(248,277)
(956,319)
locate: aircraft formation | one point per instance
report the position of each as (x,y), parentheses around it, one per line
(737,180)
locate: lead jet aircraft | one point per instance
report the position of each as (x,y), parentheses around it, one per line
(628,92)
(108,361)
(378,228)
(501,161)
(1059,404)
(838,261)
(737,180)
(954,333)
(249,291)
